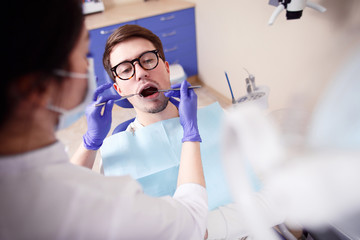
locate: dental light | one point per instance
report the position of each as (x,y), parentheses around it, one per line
(294,8)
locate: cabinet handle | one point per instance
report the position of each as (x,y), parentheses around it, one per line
(104,32)
(167,18)
(169,34)
(171,49)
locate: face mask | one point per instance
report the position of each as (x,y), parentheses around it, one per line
(68,117)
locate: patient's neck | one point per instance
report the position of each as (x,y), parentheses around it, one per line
(149,118)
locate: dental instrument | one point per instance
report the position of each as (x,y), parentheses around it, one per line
(123,98)
(176,89)
(254,93)
(232,95)
(154,91)
(250,82)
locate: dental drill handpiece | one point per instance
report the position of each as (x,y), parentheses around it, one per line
(250,80)
(248,86)
(251,89)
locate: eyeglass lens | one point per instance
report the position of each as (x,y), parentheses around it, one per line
(147,61)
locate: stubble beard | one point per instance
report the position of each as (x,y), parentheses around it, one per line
(159,107)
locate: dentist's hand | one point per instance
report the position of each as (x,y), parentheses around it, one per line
(187,111)
(98,124)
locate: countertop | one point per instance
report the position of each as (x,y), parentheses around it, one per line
(119,13)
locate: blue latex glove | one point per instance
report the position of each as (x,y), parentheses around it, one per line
(174,101)
(187,111)
(99,124)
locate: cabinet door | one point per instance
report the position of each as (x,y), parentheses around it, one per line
(176,35)
(176,31)
(98,38)
(183,53)
(168,20)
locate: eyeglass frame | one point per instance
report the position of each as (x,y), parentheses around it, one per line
(113,69)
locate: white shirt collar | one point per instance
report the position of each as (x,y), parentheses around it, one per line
(133,126)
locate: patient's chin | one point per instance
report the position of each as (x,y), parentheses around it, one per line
(159,106)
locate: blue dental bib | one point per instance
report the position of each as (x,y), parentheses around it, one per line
(152,155)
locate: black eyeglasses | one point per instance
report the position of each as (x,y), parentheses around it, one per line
(126,70)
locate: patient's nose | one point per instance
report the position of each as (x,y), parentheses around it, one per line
(140,73)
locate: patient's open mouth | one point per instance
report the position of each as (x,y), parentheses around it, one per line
(148,91)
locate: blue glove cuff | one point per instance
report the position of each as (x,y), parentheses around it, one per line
(89,144)
(193,138)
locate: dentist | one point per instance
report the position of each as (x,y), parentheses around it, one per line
(45,86)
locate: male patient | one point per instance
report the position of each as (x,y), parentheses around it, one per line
(135,61)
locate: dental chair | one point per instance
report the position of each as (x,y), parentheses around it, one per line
(122,126)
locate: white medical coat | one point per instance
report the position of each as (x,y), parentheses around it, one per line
(44,196)
(226,222)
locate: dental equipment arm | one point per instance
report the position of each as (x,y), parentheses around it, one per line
(275,14)
(316,7)
(294,9)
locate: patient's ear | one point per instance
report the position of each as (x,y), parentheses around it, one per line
(117,88)
(167,66)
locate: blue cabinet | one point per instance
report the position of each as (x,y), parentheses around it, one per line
(176,31)
(168,20)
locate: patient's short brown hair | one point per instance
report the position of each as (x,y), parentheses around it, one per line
(124,33)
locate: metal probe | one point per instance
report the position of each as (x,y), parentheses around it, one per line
(161,90)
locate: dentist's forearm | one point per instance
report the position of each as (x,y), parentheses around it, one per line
(191,169)
(84,157)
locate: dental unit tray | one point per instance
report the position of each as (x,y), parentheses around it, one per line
(253,92)
(251,97)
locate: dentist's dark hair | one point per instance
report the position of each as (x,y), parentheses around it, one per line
(37,40)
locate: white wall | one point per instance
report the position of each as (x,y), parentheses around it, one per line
(293,58)
(108,3)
